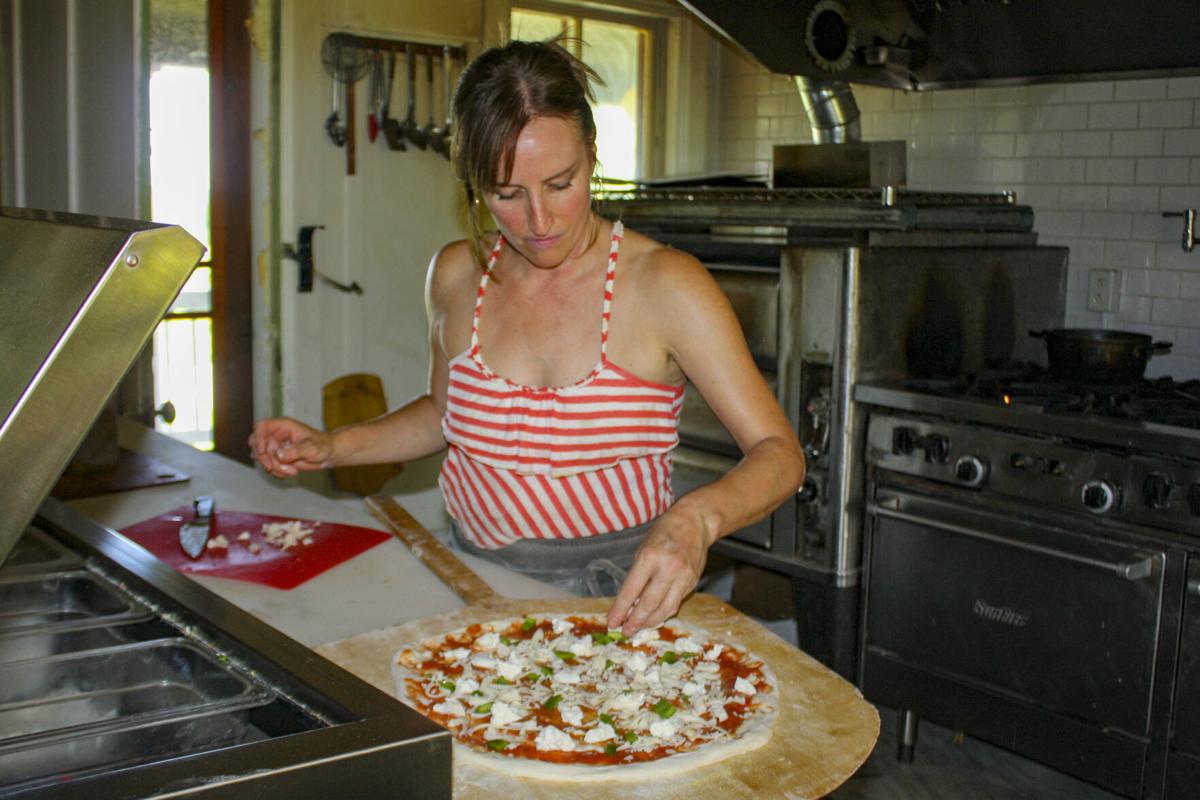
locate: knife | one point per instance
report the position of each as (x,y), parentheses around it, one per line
(194,535)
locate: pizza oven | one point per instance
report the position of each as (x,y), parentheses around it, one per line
(119,677)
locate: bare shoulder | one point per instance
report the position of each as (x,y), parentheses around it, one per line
(663,277)
(453,273)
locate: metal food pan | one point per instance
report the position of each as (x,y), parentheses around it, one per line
(64,598)
(53,640)
(118,705)
(37,552)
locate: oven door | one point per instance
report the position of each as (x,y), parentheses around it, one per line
(1014,630)
(1183,773)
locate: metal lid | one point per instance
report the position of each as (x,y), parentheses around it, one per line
(79,298)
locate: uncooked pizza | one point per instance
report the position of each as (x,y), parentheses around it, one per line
(562,697)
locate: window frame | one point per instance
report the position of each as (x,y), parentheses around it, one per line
(655,20)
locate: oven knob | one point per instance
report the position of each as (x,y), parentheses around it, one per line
(1099,497)
(904,441)
(1156,490)
(971,470)
(937,448)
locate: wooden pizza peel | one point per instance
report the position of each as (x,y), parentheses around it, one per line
(824,732)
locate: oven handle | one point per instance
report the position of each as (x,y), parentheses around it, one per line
(1133,571)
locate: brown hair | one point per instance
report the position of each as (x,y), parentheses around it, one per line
(497,95)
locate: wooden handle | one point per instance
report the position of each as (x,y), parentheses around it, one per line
(432,553)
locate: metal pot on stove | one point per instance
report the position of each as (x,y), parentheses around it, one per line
(1098,356)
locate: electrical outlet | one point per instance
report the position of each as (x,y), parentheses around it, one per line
(1102,290)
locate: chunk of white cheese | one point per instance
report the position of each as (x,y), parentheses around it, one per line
(628,702)
(637,662)
(581,648)
(509,670)
(601,733)
(551,738)
(451,708)
(690,688)
(561,626)
(503,713)
(567,676)
(644,636)
(458,654)
(685,645)
(572,715)
(663,729)
(744,686)
(488,641)
(483,662)
(714,652)
(466,686)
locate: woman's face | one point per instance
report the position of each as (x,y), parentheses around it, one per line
(544,207)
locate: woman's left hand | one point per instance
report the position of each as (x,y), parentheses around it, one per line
(666,568)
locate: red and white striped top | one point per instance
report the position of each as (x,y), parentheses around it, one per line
(555,462)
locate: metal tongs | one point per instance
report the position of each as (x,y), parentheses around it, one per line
(193,536)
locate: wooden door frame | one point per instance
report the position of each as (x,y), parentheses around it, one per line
(229,60)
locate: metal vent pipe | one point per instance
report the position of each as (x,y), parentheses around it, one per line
(832,111)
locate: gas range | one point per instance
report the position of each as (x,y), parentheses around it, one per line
(1127,453)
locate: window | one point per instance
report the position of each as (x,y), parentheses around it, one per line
(179,194)
(622,48)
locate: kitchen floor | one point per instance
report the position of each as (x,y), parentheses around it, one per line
(951,767)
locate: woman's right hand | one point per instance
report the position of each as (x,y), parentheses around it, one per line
(285,446)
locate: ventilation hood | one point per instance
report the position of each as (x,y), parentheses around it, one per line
(79,298)
(942,44)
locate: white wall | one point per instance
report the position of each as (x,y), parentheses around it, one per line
(1097,161)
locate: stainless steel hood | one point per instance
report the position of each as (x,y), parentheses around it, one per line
(79,298)
(939,44)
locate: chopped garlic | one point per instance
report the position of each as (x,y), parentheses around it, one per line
(218,542)
(244,536)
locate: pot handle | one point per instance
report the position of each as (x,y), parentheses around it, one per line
(1161,347)
(1039,334)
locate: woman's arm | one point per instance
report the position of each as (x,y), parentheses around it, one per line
(701,335)
(286,446)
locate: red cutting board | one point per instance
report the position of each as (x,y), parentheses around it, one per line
(332,544)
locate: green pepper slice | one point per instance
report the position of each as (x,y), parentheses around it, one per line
(497,744)
(552,703)
(664,708)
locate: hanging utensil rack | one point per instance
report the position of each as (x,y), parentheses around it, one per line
(377,44)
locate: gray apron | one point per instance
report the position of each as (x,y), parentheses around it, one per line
(592,566)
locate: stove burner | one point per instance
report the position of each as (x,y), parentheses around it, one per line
(1163,401)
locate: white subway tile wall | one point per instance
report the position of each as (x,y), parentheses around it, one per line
(1098,161)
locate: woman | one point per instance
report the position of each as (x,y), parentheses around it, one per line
(560,348)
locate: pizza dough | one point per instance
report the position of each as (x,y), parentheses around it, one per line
(562,698)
